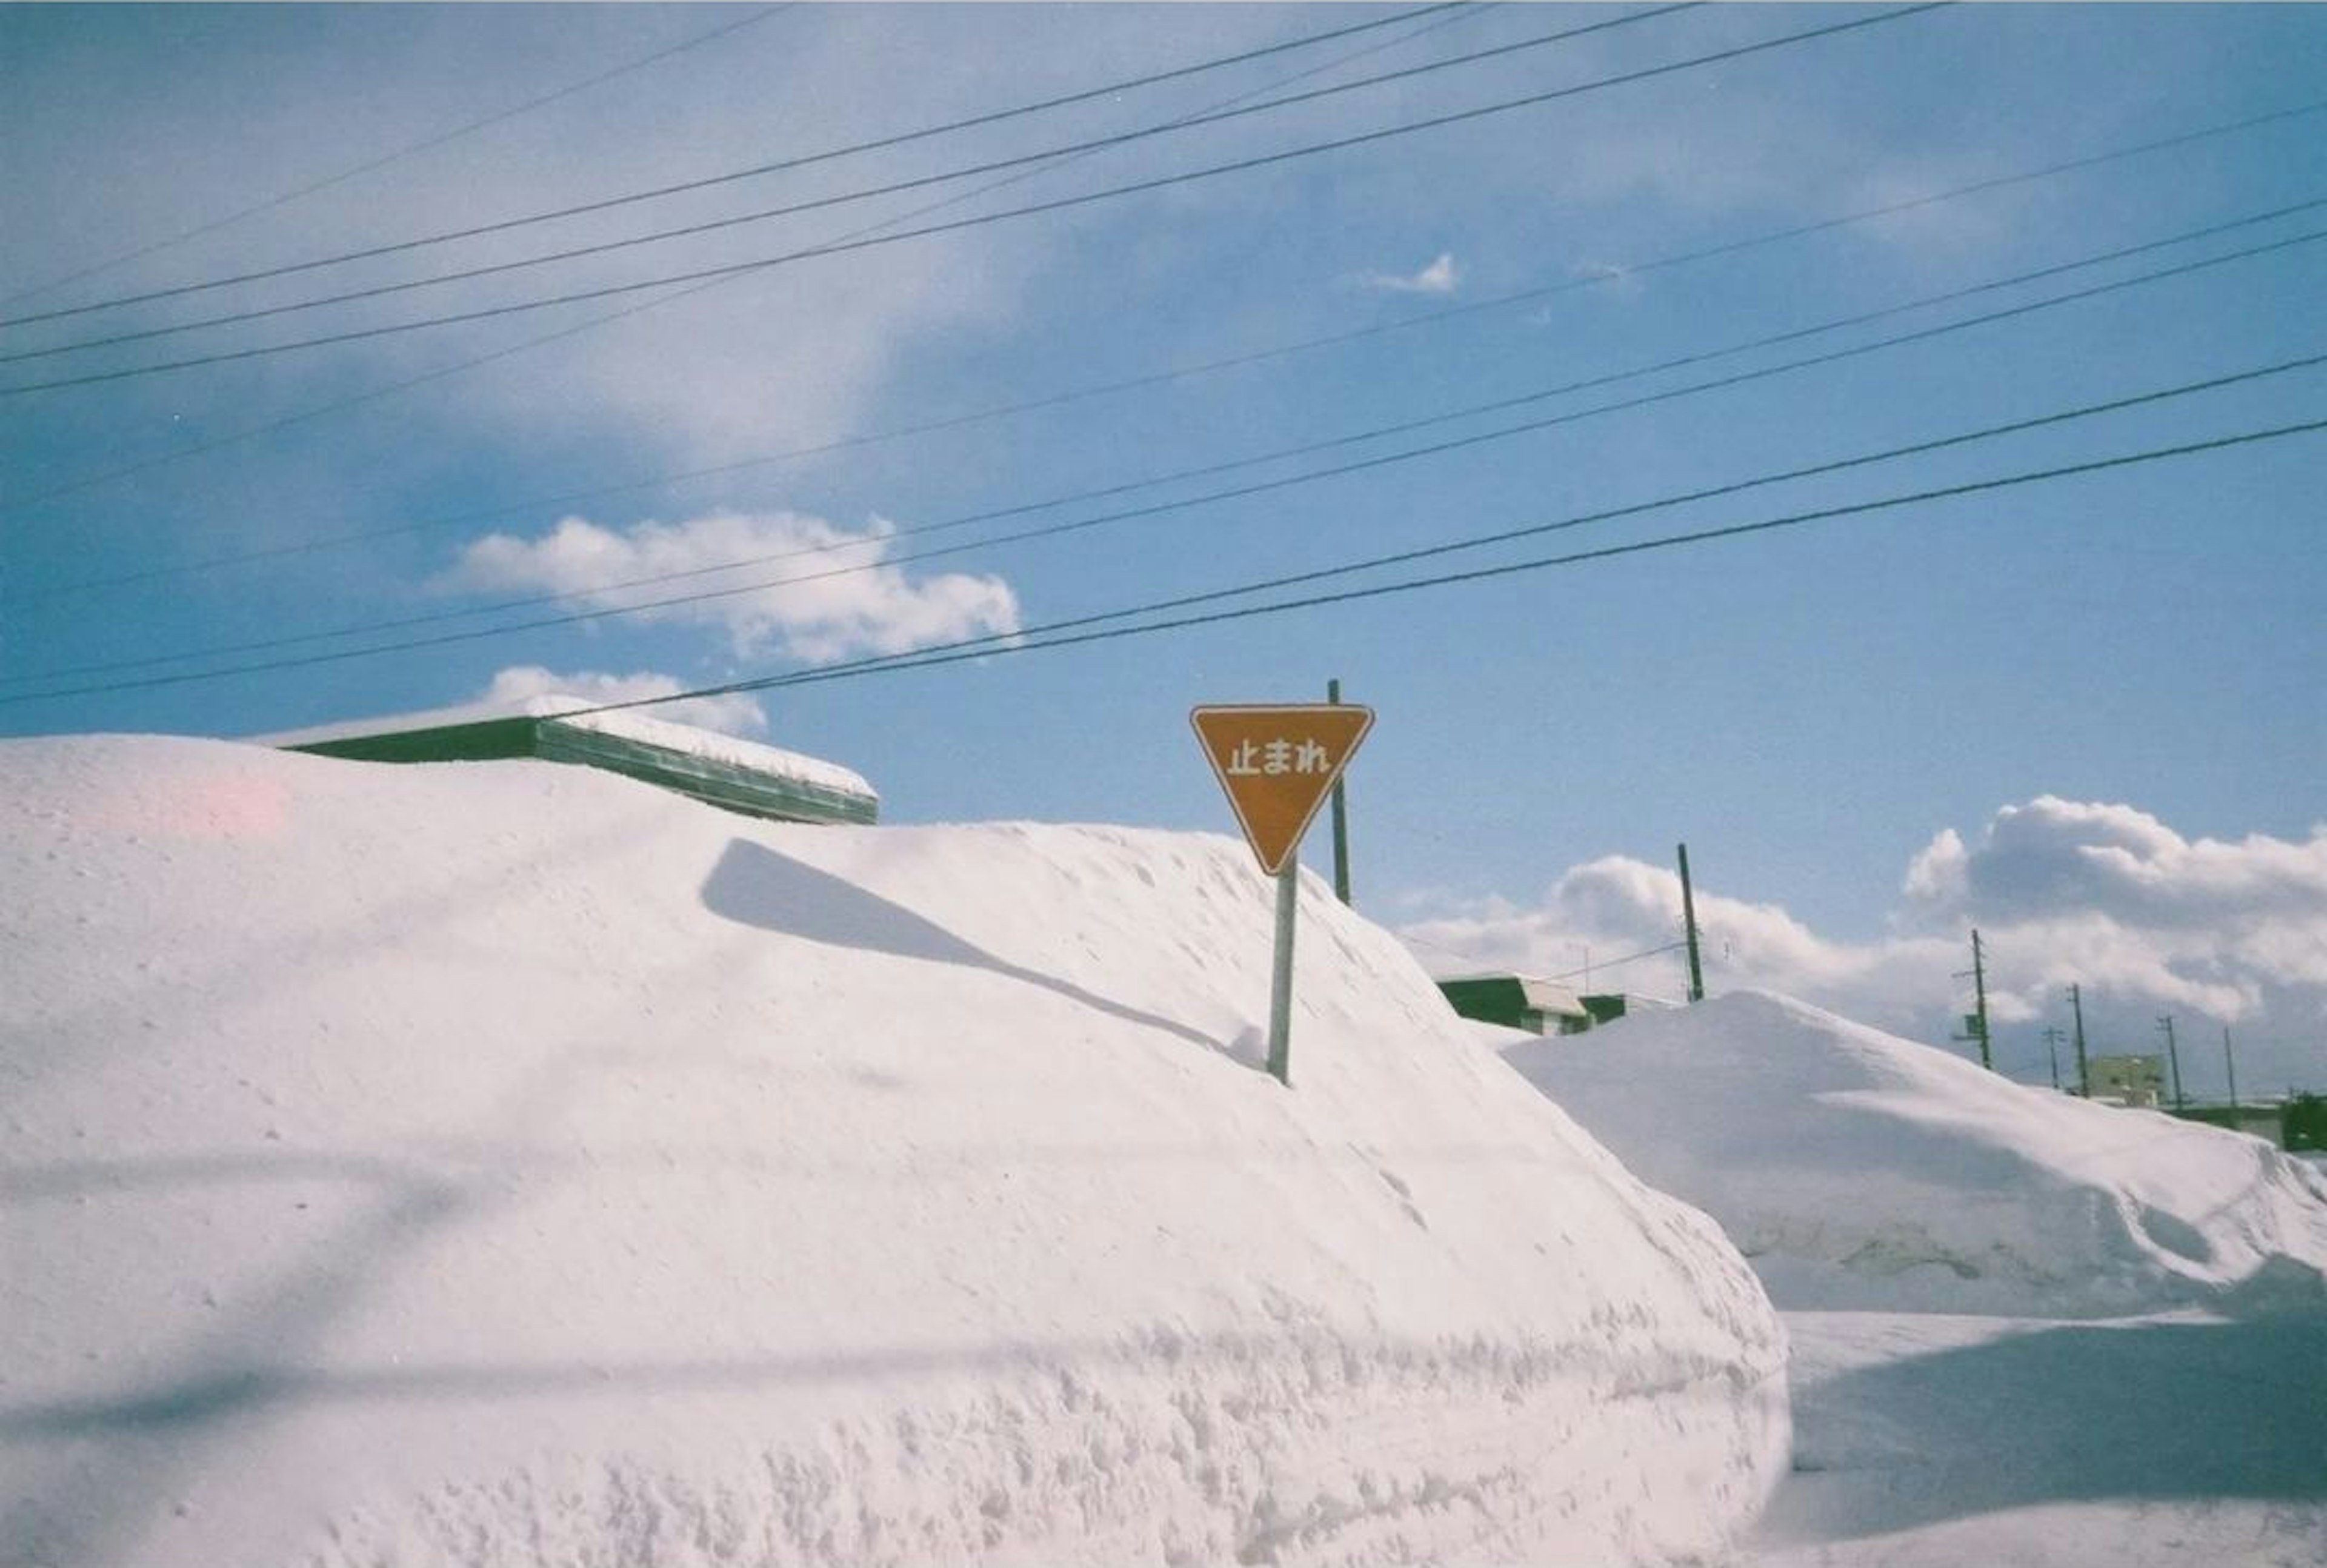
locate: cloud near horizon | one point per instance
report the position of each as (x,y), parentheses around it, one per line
(812,591)
(2102,895)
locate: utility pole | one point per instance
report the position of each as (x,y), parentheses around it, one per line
(1979,1018)
(1689,922)
(2084,1073)
(2231,1065)
(2053,1038)
(1341,819)
(2173,1057)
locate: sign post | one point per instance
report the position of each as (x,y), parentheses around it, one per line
(1277,765)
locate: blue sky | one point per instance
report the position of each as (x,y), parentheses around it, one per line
(2083,714)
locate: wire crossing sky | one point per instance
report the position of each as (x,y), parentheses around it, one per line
(1931,391)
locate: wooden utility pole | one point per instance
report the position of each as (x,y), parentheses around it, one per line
(2053,1038)
(2230,1066)
(2084,1073)
(1688,923)
(1979,1017)
(1341,819)
(2173,1057)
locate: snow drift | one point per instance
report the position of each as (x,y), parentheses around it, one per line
(1860,1170)
(505,1163)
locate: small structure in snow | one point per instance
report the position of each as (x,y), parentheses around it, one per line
(2137,1081)
(1607,1006)
(737,775)
(1517,1001)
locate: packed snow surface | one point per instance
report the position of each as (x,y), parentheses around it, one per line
(1857,1170)
(507,1162)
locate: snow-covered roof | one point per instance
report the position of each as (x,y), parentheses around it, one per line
(1547,995)
(577,712)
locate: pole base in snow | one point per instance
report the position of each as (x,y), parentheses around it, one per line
(1280,986)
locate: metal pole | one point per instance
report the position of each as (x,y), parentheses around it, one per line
(1340,819)
(1979,983)
(2172,1058)
(2231,1064)
(1688,923)
(2084,1074)
(1280,986)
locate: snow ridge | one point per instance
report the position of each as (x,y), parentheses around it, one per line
(1859,1171)
(516,1163)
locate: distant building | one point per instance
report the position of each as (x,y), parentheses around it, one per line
(2128,1080)
(705,765)
(2303,1123)
(1607,1006)
(2266,1120)
(1517,1001)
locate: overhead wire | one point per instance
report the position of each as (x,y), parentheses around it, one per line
(1057,204)
(972,122)
(1396,558)
(427,143)
(1021,641)
(460,367)
(1424,319)
(1627,958)
(1365,465)
(819,203)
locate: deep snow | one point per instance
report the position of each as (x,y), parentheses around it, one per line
(2024,1330)
(1857,1170)
(507,1162)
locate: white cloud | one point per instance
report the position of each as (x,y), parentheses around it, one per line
(1614,906)
(2109,895)
(2104,896)
(1441,276)
(734,713)
(817,592)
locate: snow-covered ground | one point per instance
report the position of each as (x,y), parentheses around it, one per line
(2025,1330)
(510,1163)
(1857,1170)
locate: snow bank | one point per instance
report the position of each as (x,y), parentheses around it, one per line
(1860,1170)
(507,1162)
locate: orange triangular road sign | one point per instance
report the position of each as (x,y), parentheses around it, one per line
(1277,765)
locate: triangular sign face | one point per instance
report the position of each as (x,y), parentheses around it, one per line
(1277,765)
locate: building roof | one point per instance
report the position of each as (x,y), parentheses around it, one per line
(1544,995)
(558,710)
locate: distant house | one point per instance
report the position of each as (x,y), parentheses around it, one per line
(2138,1081)
(1517,1001)
(737,775)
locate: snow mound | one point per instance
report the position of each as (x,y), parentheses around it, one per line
(506,1162)
(1860,1170)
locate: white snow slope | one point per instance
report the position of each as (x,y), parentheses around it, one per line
(506,1162)
(1860,1170)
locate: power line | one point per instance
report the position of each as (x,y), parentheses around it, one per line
(1019,642)
(1613,963)
(1669,394)
(1056,204)
(476,361)
(425,144)
(1165,377)
(819,203)
(830,154)
(1399,558)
